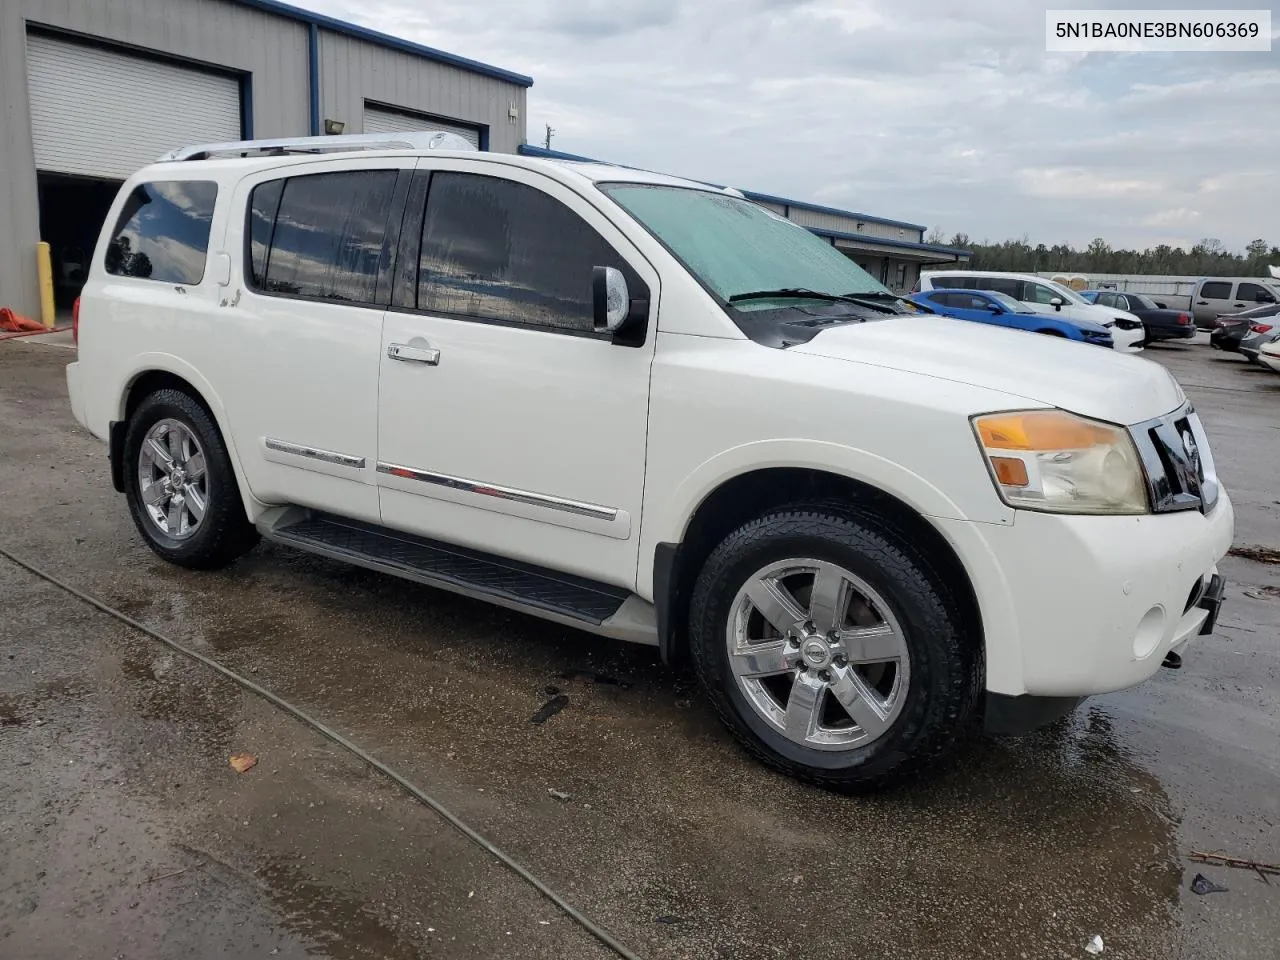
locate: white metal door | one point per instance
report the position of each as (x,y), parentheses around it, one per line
(392,121)
(100,113)
(518,440)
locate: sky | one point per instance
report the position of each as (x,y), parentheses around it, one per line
(949,114)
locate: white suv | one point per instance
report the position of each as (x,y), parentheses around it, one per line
(1128,335)
(651,410)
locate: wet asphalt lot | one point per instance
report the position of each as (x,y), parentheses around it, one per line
(125,833)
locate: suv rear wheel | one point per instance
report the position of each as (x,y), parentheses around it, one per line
(180,486)
(830,650)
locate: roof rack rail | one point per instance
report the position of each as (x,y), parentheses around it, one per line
(407,140)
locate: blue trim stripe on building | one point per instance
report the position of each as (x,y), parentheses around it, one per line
(317,20)
(313,77)
(818,208)
(529,150)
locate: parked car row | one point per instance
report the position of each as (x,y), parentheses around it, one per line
(1027,302)
(1248,331)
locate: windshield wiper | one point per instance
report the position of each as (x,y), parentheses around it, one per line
(799,293)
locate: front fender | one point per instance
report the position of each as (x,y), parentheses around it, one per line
(670,519)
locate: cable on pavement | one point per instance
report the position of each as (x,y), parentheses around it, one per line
(417,792)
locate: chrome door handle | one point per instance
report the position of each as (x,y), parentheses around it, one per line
(402,351)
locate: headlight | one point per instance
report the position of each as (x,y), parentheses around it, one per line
(1055,461)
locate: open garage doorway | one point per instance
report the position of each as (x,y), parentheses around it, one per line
(72,210)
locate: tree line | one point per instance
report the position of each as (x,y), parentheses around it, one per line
(1207,258)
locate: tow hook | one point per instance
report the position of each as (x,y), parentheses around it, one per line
(1172,660)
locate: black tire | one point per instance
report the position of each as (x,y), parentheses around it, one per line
(946,663)
(224,532)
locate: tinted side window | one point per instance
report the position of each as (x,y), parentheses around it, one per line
(163,232)
(1038,293)
(946,299)
(263,204)
(940,282)
(329,234)
(1254,293)
(1000,284)
(499,250)
(1217,290)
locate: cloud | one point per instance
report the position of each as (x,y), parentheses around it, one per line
(932,111)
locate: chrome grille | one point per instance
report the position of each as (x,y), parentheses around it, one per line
(1179,467)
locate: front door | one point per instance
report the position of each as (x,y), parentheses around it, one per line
(505,423)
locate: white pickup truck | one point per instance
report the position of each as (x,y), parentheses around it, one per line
(652,410)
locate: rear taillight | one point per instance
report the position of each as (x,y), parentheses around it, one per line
(1184,319)
(1261,328)
(75,321)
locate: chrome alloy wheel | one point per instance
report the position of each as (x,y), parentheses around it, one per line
(818,654)
(173,482)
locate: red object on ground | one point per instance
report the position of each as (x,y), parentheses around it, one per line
(11,321)
(75,322)
(32,333)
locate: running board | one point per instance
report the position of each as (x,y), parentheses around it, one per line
(562,597)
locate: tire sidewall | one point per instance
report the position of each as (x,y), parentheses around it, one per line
(914,604)
(171,405)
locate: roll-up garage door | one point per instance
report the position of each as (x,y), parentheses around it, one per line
(377,120)
(99,113)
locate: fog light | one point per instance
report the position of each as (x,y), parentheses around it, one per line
(1149,634)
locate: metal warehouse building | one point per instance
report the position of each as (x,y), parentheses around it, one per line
(93,89)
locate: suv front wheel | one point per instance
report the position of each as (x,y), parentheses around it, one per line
(831,651)
(180,485)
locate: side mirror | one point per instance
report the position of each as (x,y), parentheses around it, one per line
(609,299)
(1056,303)
(613,309)
(1263,297)
(995,308)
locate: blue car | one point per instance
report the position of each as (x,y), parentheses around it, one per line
(1001,310)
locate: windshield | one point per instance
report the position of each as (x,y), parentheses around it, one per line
(1010,304)
(737,247)
(1067,294)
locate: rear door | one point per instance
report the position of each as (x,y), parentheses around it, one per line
(506,423)
(295,357)
(1214,297)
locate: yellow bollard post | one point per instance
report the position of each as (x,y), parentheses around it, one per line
(44,271)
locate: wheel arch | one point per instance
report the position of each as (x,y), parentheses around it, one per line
(166,372)
(749,494)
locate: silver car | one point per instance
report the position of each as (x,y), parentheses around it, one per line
(1262,331)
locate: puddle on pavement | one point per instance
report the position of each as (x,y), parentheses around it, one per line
(340,927)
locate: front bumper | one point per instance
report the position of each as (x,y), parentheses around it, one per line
(1127,341)
(1074,606)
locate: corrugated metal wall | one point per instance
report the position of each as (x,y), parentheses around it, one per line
(271,48)
(829,221)
(353,71)
(212,32)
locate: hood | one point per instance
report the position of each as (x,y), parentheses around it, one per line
(1085,379)
(1105,315)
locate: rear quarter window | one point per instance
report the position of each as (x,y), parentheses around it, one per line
(162,232)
